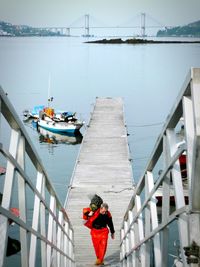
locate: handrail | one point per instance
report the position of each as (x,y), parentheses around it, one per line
(171,218)
(157,182)
(43,223)
(141,224)
(153,191)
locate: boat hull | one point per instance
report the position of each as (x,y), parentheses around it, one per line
(60,127)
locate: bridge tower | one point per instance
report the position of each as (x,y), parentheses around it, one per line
(87,25)
(67,31)
(143,24)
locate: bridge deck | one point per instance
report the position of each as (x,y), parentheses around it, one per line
(103,167)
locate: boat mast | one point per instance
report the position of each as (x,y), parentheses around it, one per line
(50,98)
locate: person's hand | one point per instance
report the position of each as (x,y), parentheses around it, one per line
(113,236)
(91,213)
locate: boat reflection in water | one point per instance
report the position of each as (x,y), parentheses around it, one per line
(46,136)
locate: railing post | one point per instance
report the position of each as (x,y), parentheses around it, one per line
(179,195)
(35,221)
(127,246)
(140,233)
(154,220)
(66,244)
(59,238)
(71,248)
(189,134)
(50,234)
(22,203)
(54,254)
(123,248)
(165,205)
(147,224)
(7,194)
(132,237)
(43,225)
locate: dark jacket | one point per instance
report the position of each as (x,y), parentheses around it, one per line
(104,220)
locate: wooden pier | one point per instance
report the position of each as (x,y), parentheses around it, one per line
(103,167)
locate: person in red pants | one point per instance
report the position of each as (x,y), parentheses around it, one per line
(98,222)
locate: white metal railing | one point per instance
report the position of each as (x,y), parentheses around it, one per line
(145,232)
(43,228)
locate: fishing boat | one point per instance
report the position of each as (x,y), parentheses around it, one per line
(48,121)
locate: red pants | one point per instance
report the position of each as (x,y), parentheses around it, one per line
(100,240)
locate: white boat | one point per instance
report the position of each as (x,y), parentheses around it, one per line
(59,127)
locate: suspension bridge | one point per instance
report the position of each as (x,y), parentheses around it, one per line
(87,26)
(53,235)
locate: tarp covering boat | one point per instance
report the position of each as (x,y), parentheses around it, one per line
(37,109)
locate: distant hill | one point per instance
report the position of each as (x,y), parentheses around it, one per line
(189,30)
(8,29)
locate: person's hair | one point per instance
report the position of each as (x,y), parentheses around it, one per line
(104,205)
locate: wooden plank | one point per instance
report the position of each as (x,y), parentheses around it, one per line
(103,167)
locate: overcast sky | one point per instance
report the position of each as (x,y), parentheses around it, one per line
(110,12)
